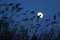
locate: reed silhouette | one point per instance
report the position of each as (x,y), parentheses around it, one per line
(15,30)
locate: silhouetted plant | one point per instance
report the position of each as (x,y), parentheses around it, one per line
(9,27)
(24,35)
(34,37)
(59,35)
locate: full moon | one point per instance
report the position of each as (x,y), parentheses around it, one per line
(40,14)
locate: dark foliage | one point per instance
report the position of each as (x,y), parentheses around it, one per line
(19,32)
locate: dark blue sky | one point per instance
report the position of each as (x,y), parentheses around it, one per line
(48,7)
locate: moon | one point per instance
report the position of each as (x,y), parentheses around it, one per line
(40,14)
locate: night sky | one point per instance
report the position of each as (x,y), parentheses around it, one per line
(48,7)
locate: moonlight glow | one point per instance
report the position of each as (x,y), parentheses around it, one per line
(40,14)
